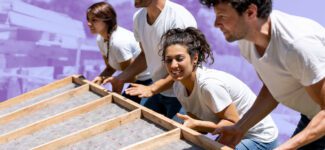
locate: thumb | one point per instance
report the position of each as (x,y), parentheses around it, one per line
(134,84)
(181,116)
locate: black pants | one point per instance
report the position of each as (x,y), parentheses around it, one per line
(316,145)
(136,98)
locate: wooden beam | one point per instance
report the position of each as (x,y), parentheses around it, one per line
(156,141)
(91,131)
(201,140)
(159,119)
(124,102)
(97,88)
(42,104)
(36,92)
(55,119)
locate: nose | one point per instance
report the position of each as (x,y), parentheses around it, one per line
(174,64)
(217,23)
(89,23)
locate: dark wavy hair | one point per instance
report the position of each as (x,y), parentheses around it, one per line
(105,12)
(192,38)
(264,7)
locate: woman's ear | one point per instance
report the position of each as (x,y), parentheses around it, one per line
(196,58)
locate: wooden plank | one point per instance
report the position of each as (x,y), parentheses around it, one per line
(148,114)
(42,104)
(129,104)
(159,119)
(95,87)
(156,141)
(36,92)
(55,119)
(91,131)
(201,140)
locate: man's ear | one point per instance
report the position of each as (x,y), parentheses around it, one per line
(251,11)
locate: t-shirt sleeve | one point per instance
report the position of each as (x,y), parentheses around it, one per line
(306,60)
(216,96)
(184,19)
(121,52)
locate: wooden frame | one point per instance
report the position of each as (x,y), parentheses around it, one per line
(174,130)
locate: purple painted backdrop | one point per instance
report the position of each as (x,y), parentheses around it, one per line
(45,40)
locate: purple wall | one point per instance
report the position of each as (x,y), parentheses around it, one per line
(45,40)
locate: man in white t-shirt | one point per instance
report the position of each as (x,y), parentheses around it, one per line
(288,53)
(153,19)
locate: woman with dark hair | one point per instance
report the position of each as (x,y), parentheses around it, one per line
(117,45)
(211,98)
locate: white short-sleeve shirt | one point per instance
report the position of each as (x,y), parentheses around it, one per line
(215,90)
(294,58)
(122,47)
(172,16)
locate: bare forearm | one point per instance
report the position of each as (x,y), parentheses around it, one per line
(138,66)
(107,72)
(314,131)
(208,126)
(263,105)
(162,85)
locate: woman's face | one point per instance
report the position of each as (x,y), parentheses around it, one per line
(96,25)
(178,62)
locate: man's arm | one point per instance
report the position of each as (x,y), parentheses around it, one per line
(138,66)
(316,128)
(263,105)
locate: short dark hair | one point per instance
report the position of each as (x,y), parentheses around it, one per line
(105,12)
(193,39)
(264,7)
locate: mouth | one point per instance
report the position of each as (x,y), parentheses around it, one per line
(176,73)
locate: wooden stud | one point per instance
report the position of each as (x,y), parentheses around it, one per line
(36,92)
(156,141)
(42,104)
(55,119)
(91,131)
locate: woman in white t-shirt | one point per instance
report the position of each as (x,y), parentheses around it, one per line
(211,98)
(117,45)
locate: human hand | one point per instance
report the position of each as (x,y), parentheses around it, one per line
(117,84)
(99,80)
(139,90)
(230,135)
(188,121)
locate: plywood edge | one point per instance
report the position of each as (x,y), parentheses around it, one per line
(42,104)
(94,87)
(55,119)
(36,92)
(91,131)
(159,119)
(156,141)
(129,104)
(201,140)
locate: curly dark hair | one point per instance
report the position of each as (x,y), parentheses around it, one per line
(264,6)
(106,13)
(192,38)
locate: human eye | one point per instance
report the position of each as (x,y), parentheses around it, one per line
(168,60)
(179,58)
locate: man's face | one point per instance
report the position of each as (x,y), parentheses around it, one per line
(142,3)
(230,22)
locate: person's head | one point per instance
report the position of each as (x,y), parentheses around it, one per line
(101,18)
(183,50)
(142,3)
(234,17)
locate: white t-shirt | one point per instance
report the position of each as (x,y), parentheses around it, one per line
(294,58)
(122,47)
(172,16)
(215,90)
